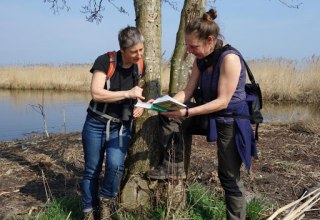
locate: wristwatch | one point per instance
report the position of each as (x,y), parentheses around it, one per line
(187,112)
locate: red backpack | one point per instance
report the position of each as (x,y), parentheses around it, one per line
(113,64)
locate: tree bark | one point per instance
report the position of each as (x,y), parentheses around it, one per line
(181,61)
(144,152)
(138,190)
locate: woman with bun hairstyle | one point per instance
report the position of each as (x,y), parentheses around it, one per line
(221,77)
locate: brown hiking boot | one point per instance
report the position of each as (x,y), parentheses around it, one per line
(88,215)
(93,214)
(168,170)
(107,208)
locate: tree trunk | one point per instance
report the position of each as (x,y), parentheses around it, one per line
(138,190)
(181,61)
(144,153)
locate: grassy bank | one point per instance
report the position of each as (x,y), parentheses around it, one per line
(201,204)
(280,79)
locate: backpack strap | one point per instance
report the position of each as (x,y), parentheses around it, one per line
(112,66)
(140,66)
(252,80)
(138,73)
(112,63)
(215,60)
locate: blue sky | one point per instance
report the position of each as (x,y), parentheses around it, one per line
(32,34)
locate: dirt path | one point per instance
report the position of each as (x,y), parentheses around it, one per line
(289,162)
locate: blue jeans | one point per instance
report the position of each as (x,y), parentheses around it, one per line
(95,147)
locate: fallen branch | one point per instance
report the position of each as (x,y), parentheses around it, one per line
(304,207)
(282,209)
(46,186)
(68,217)
(6,192)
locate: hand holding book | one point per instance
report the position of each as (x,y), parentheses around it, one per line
(162,104)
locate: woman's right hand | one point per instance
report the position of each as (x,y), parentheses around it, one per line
(136,93)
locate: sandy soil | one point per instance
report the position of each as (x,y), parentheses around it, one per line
(289,162)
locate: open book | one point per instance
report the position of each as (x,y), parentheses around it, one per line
(162,104)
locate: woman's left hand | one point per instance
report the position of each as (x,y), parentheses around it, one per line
(137,112)
(175,114)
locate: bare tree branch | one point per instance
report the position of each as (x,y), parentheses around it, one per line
(40,109)
(291,4)
(120,8)
(95,7)
(173,4)
(57,5)
(94,10)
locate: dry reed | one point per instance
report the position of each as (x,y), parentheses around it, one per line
(280,79)
(287,80)
(65,77)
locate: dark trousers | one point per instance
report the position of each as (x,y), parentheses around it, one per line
(172,137)
(173,134)
(229,163)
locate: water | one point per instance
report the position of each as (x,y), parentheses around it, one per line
(65,112)
(20,116)
(290,112)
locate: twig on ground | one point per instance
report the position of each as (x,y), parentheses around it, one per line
(68,217)
(294,213)
(6,192)
(305,206)
(46,186)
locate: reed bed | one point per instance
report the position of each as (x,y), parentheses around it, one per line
(287,80)
(46,77)
(280,79)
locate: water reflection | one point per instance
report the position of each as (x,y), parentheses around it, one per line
(290,112)
(18,119)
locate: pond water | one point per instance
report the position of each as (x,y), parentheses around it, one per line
(20,117)
(65,112)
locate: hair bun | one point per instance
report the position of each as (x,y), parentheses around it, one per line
(212,13)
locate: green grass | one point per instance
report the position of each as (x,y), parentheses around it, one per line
(257,209)
(202,204)
(58,209)
(207,205)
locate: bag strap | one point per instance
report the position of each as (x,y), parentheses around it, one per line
(248,70)
(252,80)
(250,75)
(215,58)
(209,61)
(140,66)
(112,63)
